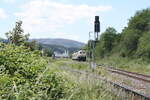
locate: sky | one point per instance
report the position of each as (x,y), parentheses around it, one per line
(68,19)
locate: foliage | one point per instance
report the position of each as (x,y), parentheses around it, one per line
(16,36)
(84,87)
(129,43)
(23,72)
(33,45)
(1,39)
(20,61)
(80,66)
(134,65)
(57,85)
(88,88)
(132,42)
(141,20)
(129,50)
(137,26)
(106,42)
(59,48)
(48,52)
(144,46)
(25,76)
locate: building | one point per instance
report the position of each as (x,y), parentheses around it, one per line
(61,55)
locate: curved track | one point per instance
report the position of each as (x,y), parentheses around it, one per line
(125,88)
(141,77)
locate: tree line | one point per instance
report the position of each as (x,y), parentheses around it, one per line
(17,37)
(132,42)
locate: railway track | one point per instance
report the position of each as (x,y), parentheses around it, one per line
(138,76)
(125,88)
(141,77)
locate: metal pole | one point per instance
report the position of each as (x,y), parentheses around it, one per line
(93,52)
(90,50)
(93,55)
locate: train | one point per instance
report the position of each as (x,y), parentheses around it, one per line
(79,56)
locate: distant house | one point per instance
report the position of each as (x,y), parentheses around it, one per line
(61,55)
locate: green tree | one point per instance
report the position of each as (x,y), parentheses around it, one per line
(33,45)
(40,47)
(16,36)
(129,43)
(1,39)
(48,52)
(141,20)
(106,42)
(109,37)
(144,46)
(137,26)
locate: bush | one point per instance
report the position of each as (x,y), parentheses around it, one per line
(17,60)
(24,76)
(48,52)
(55,85)
(144,46)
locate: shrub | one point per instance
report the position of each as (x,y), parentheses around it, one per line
(144,46)
(17,60)
(24,76)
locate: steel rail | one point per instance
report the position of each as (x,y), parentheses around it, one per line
(132,75)
(124,87)
(148,76)
(142,77)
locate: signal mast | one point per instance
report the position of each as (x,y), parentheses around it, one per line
(92,43)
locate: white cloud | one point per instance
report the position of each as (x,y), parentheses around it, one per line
(9,1)
(43,16)
(3,14)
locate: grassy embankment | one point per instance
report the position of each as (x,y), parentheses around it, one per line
(85,88)
(134,65)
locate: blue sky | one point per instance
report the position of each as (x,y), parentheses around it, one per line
(70,19)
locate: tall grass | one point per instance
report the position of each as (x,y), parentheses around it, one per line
(135,65)
(89,88)
(85,87)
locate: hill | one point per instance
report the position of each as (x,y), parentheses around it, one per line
(61,42)
(60,45)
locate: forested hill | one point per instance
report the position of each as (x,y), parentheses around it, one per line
(61,42)
(59,45)
(59,48)
(132,42)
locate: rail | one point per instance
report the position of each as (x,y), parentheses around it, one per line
(118,85)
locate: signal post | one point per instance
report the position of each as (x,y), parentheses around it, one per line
(93,42)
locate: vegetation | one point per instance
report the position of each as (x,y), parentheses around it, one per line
(144,46)
(108,41)
(1,39)
(84,87)
(16,36)
(129,64)
(47,52)
(26,75)
(59,48)
(132,43)
(131,35)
